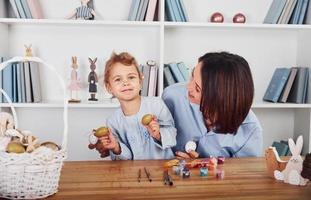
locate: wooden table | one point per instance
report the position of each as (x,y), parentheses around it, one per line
(245,178)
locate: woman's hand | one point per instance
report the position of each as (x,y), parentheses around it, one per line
(154,129)
(111,143)
(183,155)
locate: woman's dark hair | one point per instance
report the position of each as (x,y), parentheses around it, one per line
(227,90)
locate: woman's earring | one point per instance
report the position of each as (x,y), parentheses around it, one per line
(239,18)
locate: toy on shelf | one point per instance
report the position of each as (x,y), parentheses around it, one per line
(75,83)
(84,12)
(28,51)
(292,172)
(93,79)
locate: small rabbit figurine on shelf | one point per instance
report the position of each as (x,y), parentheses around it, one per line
(93,79)
(28,52)
(84,12)
(292,172)
(75,84)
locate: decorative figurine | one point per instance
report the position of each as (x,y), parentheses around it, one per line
(306,167)
(217,17)
(28,52)
(75,84)
(292,172)
(239,18)
(92,79)
(84,12)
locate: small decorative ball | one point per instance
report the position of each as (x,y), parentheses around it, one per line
(239,18)
(217,17)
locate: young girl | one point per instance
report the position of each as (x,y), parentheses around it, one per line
(128,137)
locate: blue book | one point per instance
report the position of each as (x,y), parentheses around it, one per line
(1,61)
(298,91)
(141,4)
(20,9)
(7,82)
(183,9)
(274,12)
(177,11)
(133,10)
(19,83)
(281,148)
(303,11)
(183,69)
(143,10)
(169,11)
(26,9)
(295,15)
(168,76)
(276,84)
(176,73)
(14,83)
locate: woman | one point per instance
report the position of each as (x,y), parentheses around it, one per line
(213,110)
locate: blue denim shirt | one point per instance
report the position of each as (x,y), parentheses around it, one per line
(190,126)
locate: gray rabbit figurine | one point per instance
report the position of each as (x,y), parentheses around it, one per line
(93,80)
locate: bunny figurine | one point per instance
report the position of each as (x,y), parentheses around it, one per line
(84,12)
(93,79)
(28,51)
(292,172)
(75,84)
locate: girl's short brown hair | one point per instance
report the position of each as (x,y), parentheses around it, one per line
(227,90)
(123,58)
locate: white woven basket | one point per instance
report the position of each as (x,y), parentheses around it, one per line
(32,175)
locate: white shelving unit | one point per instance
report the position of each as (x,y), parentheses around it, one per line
(55,40)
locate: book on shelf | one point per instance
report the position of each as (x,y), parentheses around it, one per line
(274,12)
(307,16)
(276,84)
(7,82)
(35,9)
(184,70)
(287,11)
(288,85)
(26,9)
(146,76)
(134,10)
(14,83)
(175,11)
(152,80)
(35,82)
(168,76)
(299,12)
(286,142)
(15,9)
(20,9)
(183,10)
(169,13)
(176,72)
(151,11)
(298,92)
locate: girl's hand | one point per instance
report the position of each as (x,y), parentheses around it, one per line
(111,143)
(184,155)
(154,129)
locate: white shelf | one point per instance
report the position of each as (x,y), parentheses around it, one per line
(57,104)
(280,105)
(64,22)
(236,26)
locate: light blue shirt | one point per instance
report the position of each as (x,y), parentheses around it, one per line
(135,141)
(190,127)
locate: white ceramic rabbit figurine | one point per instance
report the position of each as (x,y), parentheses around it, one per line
(292,171)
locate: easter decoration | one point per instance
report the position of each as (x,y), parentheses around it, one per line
(75,83)
(83,12)
(92,79)
(95,142)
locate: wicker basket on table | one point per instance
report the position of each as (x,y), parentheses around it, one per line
(32,175)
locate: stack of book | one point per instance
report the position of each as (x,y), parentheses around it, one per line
(28,9)
(175,11)
(289,85)
(150,78)
(282,148)
(175,73)
(143,10)
(21,81)
(288,12)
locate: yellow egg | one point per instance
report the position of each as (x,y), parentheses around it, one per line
(14,147)
(146,119)
(102,131)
